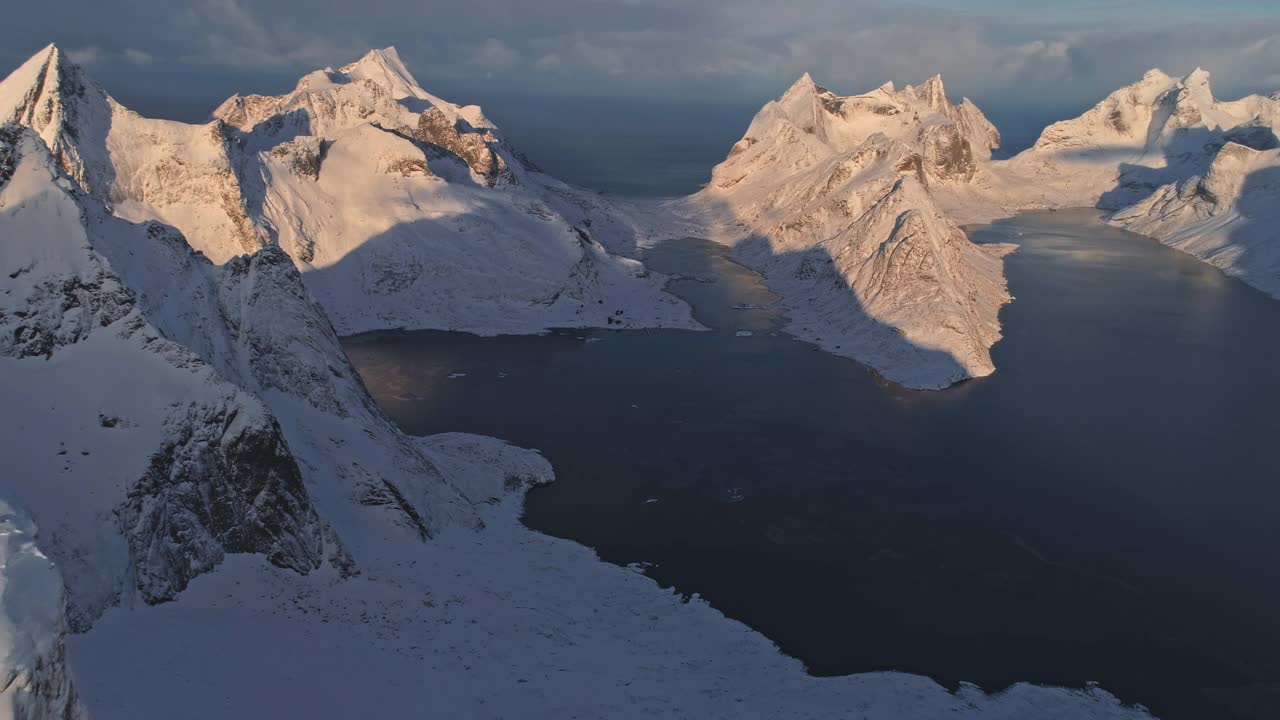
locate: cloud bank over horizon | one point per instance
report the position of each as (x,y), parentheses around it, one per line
(1032,61)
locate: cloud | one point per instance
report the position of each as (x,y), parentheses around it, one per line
(138,57)
(1261,46)
(723,48)
(495,56)
(550,62)
(225,33)
(90,55)
(1038,60)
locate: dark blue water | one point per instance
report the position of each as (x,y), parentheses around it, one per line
(1103,508)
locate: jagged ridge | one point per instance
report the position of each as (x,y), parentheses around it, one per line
(832,197)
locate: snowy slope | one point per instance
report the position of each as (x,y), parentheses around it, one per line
(833,199)
(401,209)
(142,465)
(1173,162)
(417,213)
(226,374)
(1229,216)
(1156,131)
(35,681)
(501,623)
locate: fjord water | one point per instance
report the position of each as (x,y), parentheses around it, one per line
(1104,508)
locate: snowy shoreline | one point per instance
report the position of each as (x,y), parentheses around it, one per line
(528,624)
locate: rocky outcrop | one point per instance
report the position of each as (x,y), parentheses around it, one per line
(302,155)
(816,123)
(475,148)
(222,482)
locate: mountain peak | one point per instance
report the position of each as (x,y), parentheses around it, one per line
(385,68)
(33,93)
(45,54)
(51,51)
(385,57)
(1155,75)
(933,92)
(804,84)
(29,77)
(1199,76)
(1193,91)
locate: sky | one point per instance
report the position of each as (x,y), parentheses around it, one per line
(677,80)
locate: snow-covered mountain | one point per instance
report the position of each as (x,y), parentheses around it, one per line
(400,209)
(141,464)
(217,492)
(1172,162)
(164,412)
(833,199)
(1229,216)
(1156,131)
(190,434)
(850,205)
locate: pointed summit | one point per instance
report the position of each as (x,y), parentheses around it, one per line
(804,85)
(20,91)
(386,58)
(1196,78)
(933,92)
(1192,96)
(385,68)
(54,97)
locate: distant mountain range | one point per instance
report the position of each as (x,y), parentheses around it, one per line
(849,205)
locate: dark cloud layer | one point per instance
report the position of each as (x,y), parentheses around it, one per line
(1023,60)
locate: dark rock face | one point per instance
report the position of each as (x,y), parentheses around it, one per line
(472,147)
(947,153)
(302,154)
(62,312)
(408,167)
(223,482)
(50,693)
(9,134)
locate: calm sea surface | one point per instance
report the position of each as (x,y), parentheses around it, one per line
(1106,507)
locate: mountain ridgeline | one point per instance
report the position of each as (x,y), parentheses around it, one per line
(833,199)
(850,206)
